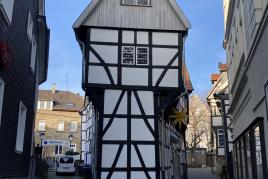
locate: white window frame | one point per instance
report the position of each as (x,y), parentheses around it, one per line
(222,133)
(6,8)
(48,107)
(2,91)
(71,128)
(129,52)
(21,128)
(137,54)
(33,53)
(39,128)
(30,27)
(58,126)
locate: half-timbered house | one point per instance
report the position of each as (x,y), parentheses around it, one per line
(135,76)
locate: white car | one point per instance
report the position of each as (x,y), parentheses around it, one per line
(65,164)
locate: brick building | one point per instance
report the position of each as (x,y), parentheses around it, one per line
(58,117)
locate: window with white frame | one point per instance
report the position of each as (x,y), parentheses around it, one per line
(60,126)
(73,126)
(142,56)
(33,53)
(6,8)
(2,89)
(42,125)
(220,138)
(48,105)
(30,26)
(21,128)
(136,2)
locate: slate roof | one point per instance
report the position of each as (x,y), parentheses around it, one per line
(62,100)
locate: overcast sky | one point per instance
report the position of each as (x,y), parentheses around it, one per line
(203,46)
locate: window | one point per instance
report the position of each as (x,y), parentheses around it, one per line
(142,55)
(129,58)
(128,55)
(2,88)
(58,149)
(69,105)
(42,125)
(258,152)
(33,53)
(136,2)
(30,26)
(73,147)
(220,138)
(49,105)
(73,126)
(61,126)
(6,8)
(21,128)
(41,104)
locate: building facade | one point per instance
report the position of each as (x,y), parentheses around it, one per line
(57,118)
(220,131)
(133,75)
(245,43)
(24,41)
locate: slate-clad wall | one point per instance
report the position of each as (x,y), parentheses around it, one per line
(19,86)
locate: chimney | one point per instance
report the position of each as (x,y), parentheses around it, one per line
(53,88)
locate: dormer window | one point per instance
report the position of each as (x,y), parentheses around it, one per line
(45,105)
(69,105)
(136,2)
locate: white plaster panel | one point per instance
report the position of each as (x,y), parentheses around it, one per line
(128,37)
(113,71)
(135,110)
(147,101)
(156,75)
(141,175)
(148,154)
(122,161)
(162,56)
(216,121)
(115,175)
(97,74)
(162,38)
(108,154)
(104,35)
(117,131)
(93,58)
(108,53)
(142,37)
(135,76)
(135,162)
(139,130)
(84,135)
(171,79)
(110,99)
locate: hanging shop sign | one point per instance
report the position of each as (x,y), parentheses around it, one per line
(5,55)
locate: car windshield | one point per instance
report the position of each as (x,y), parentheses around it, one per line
(66,160)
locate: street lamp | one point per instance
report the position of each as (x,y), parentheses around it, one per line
(70,139)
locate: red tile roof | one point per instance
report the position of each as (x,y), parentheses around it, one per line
(214,77)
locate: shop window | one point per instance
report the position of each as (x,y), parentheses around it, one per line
(248,156)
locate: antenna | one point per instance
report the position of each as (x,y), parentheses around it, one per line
(67,81)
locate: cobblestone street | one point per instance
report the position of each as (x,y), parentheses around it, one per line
(201,173)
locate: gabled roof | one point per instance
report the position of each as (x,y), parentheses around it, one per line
(62,100)
(94,3)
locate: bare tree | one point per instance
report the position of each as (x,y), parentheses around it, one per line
(198,129)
